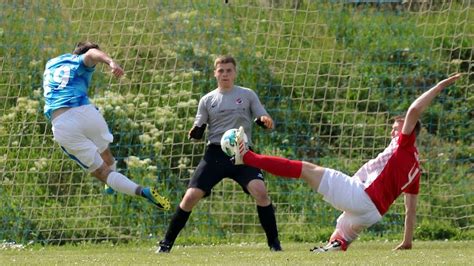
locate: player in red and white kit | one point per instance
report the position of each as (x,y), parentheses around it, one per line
(367,196)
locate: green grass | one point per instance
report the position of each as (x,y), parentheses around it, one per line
(362,253)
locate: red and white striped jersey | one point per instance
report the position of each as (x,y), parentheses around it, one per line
(393,171)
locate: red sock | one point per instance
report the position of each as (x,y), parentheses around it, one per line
(275,165)
(336,236)
(341,240)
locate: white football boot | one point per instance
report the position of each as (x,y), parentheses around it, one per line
(333,246)
(241,147)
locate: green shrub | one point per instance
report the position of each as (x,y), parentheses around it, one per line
(436,230)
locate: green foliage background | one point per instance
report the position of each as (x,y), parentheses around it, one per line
(330,74)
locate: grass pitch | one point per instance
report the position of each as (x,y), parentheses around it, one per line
(360,253)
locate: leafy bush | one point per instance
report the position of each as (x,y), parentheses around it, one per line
(436,230)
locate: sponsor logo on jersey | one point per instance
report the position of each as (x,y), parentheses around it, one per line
(213,103)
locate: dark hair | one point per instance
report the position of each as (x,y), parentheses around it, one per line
(225,59)
(83,47)
(402,118)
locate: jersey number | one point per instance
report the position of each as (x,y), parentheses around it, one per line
(60,75)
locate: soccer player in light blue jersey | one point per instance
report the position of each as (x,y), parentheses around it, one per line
(78,126)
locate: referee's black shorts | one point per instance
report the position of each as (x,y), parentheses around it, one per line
(216,165)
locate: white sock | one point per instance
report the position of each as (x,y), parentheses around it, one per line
(121,183)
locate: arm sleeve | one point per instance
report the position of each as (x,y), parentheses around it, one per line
(82,67)
(202,114)
(407,140)
(256,106)
(414,187)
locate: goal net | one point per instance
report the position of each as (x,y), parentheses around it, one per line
(330,73)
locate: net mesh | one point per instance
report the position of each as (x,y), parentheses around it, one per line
(330,73)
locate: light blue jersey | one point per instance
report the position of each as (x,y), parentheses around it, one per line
(65,82)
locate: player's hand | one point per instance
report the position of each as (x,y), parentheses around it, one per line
(191,133)
(197,132)
(403,246)
(267,121)
(116,69)
(449,81)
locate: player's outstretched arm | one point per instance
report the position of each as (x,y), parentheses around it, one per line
(95,56)
(420,104)
(410,220)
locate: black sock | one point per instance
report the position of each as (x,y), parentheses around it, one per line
(267,219)
(178,221)
(139,191)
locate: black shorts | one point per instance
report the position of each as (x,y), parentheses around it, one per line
(215,166)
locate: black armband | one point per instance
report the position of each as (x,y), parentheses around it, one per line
(197,132)
(259,122)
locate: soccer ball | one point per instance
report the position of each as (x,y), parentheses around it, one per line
(229,141)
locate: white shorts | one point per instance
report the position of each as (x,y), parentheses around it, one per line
(83,134)
(348,195)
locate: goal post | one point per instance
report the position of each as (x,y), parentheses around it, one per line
(330,73)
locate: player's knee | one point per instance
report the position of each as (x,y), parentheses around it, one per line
(108,157)
(112,166)
(110,161)
(262,199)
(102,172)
(312,174)
(259,193)
(191,198)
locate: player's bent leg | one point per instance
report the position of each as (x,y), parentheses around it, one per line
(85,152)
(177,223)
(191,198)
(180,218)
(123,184)
(154,197)
(343,243)
(108,157)
(312,174)
(276,165)
(110,161)
(116,180)
(98,132)
(259,192)
(266,213)
(102,172)
(347,230)
(336,243)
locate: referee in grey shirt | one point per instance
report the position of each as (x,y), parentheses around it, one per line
(229,106)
